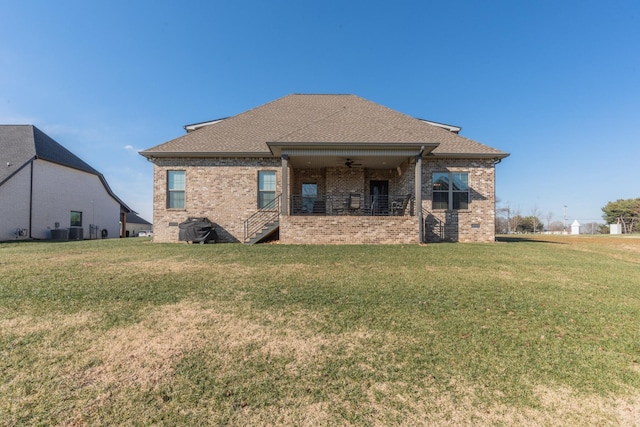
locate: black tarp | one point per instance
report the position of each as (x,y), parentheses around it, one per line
(197,230)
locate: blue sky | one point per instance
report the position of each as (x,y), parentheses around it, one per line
(554,83)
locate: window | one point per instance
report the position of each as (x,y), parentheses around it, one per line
(309,196)
(266,188)
(450,190)
(175,189)
(76,219)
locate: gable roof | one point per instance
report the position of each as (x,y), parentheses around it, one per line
(20,144)
(318,120)
(132,218)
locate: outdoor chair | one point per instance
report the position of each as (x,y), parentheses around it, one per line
(398,206)
(354,202)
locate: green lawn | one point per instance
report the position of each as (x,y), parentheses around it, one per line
(542,331)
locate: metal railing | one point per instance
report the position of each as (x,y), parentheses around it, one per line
(351,204)
(266,215)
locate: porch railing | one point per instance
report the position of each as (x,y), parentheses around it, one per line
(351,204)
(266,215)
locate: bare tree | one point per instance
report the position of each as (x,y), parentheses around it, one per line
(556,226)
(590,228)
(501,225)
(534,214)
(549,218)
(514,219)
(504,211)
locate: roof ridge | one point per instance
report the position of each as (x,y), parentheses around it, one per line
(322,94)
(40,151)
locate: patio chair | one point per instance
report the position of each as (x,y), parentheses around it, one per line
(398,206)
(354,202)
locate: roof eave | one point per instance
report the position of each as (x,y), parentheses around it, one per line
(499,156)
(151,155)
(277,147)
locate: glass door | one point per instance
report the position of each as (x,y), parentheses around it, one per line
(379,197)
(309,196)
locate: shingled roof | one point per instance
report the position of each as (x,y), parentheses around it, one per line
(317,119)
(20,144)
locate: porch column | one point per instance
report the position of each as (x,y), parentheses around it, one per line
(284,203)
(418,189)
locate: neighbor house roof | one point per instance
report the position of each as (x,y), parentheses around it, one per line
(132,218)
(317,120)
(20,144)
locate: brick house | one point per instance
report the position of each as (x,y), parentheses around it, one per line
(326,169)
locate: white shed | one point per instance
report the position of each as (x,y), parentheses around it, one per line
(615,228)
(575,227)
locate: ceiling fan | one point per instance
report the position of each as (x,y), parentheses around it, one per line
(348,163)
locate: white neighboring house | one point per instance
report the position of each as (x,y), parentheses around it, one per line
(137,226)
(48,192)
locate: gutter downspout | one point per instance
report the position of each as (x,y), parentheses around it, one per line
(418,189)
(495,210)
(31,199)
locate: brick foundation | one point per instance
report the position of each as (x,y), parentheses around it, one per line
(348,230)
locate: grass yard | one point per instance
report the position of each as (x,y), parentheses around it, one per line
(541,331)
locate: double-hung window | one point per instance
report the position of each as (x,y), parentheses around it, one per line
(451,190)
(76,219)
(266,189)
(175,189)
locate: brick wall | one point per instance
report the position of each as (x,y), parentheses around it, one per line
(476,224)
(223,190)
(308,176)
(342,180)
(348,230)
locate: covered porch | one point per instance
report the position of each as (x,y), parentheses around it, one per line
(333,179)
(355,193)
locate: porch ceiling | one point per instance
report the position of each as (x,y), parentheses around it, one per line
(362,157)
(335,161)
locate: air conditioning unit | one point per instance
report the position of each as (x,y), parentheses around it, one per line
(76,233)
(60,234)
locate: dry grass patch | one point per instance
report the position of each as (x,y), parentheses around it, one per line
(426,404)
(145,353)
(21,326)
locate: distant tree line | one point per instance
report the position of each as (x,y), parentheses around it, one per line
(625,212)
(518,224)
(510,220)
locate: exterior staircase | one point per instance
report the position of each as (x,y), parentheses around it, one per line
(262,223)
(266,231)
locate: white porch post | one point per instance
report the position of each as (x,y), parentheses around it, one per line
(418,197)
(284,203)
